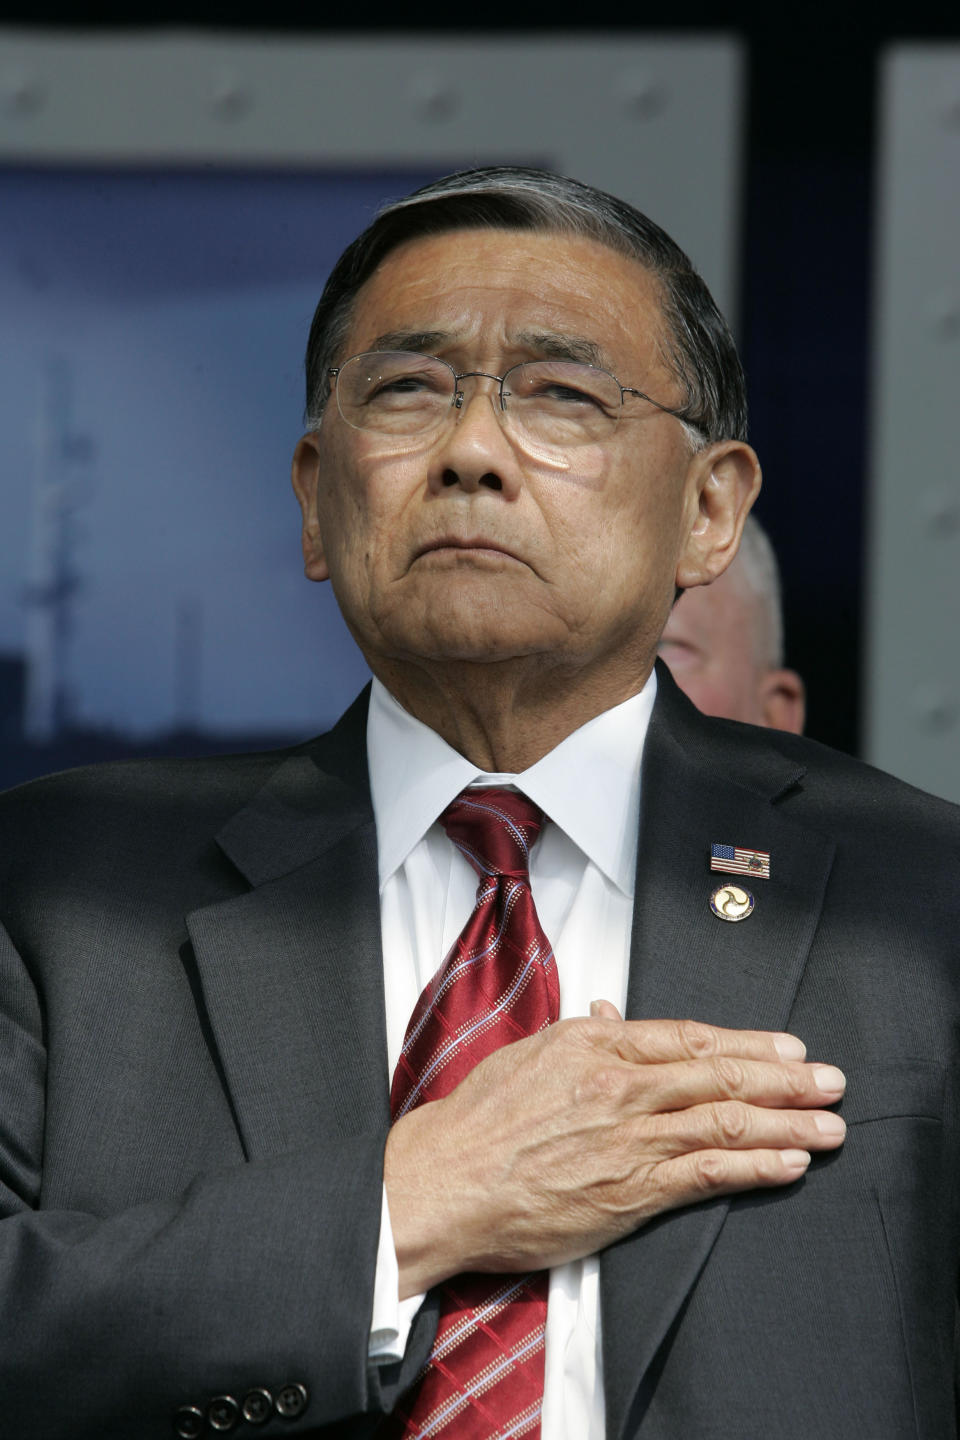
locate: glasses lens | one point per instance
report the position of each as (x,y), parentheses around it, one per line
(561,403)
(395,392)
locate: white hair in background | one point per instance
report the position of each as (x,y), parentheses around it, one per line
(755,569)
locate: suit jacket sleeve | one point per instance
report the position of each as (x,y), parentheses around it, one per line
(256,1275)
(176,1223)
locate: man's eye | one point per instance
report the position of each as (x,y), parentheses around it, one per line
(398,386)
(401,382)
(552,392)
(568,395)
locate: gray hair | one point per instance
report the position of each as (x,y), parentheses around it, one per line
(755,570)
(700,347)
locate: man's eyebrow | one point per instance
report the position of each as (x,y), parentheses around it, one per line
(554,346)
(423,342)
(545,344)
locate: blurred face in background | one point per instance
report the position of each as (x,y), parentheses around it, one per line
(715,642)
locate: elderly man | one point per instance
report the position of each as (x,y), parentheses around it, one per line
(724,642)
(320,1112)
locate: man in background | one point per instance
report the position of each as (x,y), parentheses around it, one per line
(724,642)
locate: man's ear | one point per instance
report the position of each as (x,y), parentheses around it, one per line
(723,481)
(783,700)
(305,474)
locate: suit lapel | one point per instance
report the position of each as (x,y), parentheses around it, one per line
(291,971)
(702,785)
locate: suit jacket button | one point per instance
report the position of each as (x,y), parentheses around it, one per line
(257,1406)
(223,1412)
(291,1401)
(188,1422)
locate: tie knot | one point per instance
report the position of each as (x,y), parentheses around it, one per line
(494,829)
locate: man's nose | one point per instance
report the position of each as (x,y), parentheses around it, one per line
(474,452)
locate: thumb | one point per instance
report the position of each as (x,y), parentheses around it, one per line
(604,1010)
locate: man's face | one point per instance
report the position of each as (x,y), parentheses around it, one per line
(711,646)
(469,546)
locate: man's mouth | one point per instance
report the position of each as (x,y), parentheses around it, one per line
(477,544)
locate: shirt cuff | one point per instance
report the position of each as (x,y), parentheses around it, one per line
(392,1317)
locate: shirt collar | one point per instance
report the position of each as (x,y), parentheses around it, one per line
(414,775)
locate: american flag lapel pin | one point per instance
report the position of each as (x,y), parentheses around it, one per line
(740,860)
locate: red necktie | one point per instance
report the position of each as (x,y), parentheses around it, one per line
(484,1377)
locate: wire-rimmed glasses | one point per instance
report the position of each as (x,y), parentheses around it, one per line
(555,403)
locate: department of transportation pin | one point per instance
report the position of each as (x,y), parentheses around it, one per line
(731,902)
(736,860)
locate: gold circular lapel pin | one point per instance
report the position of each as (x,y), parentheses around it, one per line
(731,902)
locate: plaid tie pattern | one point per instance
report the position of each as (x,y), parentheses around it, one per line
(484,1377)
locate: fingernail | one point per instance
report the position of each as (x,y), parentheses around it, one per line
(789,1047)
(830,1079)
(594,1007)
(829,1124)
(797,1160)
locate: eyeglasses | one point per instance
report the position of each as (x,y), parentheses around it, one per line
(555,403)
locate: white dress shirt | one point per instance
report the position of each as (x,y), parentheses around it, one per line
(582,877)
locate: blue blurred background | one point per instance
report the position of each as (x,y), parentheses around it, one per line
(152,390)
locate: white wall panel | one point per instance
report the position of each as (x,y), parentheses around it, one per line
(656,119)
(912,690)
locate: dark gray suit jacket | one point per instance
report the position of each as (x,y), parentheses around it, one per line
(193,1096)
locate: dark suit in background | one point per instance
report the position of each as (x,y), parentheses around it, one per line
(195,1095)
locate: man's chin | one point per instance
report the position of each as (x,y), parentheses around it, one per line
(469,623)
(472,639)
(474,649)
